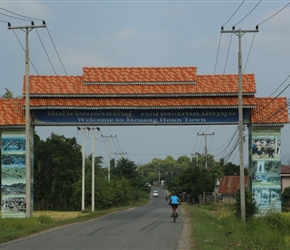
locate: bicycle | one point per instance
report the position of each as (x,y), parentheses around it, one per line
(174,215)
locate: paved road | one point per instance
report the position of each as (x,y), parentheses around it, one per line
(146,227)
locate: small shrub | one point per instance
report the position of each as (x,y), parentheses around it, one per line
(251,207)
(44,219)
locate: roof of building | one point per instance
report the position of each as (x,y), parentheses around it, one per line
(141,103)
(285,170)
(230,184)
(270,110)
(153,81)
(11,112)
(145,88)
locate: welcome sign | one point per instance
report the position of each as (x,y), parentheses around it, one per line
(138,117)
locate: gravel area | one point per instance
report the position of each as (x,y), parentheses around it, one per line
(186,241)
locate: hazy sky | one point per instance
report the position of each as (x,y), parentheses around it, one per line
(143,34)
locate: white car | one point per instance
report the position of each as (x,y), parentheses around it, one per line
(155,193)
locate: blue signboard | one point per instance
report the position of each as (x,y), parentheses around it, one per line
(138,117)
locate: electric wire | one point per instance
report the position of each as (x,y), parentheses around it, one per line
(26,18)
(22,19)
(229,42)
(217,56)
(29,18)
(223,153)
(227,143)
(45,52)
(248,13)
(226,62)
(266,105)
(24,51)
(249,53)
(56,50)
(274,14)
(119,144)
(234,12)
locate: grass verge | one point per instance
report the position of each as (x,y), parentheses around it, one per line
(14,228)
(215,228)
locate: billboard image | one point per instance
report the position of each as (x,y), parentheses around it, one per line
(13,167)
(266,169)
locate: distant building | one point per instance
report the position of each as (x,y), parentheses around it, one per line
(229,186)
(285,177)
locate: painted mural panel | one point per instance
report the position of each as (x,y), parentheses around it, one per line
(13,183)
(266,169)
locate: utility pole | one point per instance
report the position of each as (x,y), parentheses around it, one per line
(28,128)
(109,154)
(196,156)
(93,166)
(240,33)
(83,167)
(205,147)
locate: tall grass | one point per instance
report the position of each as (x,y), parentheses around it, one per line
(215,227)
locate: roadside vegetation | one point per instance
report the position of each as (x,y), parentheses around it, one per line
(58,188)
(215,227)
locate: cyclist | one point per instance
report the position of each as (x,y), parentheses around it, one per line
(174,202)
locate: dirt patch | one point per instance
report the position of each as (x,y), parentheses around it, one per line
(57,215)
(185,242)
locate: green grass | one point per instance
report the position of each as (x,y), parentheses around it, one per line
(14,228)
(215,228)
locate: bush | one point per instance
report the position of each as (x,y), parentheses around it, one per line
(251,207)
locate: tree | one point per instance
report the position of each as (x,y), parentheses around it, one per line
(8,94)
(250,204)
(286,196)
(57,173)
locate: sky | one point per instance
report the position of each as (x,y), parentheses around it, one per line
(150,34)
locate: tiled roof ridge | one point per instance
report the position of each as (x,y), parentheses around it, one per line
(231,74)
(139,67)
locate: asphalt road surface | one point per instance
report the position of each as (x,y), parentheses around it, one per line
(146,227)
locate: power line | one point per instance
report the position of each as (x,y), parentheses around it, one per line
(26,18)
(248,13)
(24,51)
(228,53)
(234,13)
(56,50)
(274,14)
(46,52)
(249,52)
(29,18)
(14,17)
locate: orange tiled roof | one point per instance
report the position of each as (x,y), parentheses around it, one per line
(230,184)
(139,74)
(270,110)
(184,102)
(11,112)
(143,87)
(140,81)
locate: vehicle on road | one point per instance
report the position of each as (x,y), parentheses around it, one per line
(155,193)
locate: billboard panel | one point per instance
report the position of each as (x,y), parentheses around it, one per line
(13,167)
(266,169)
